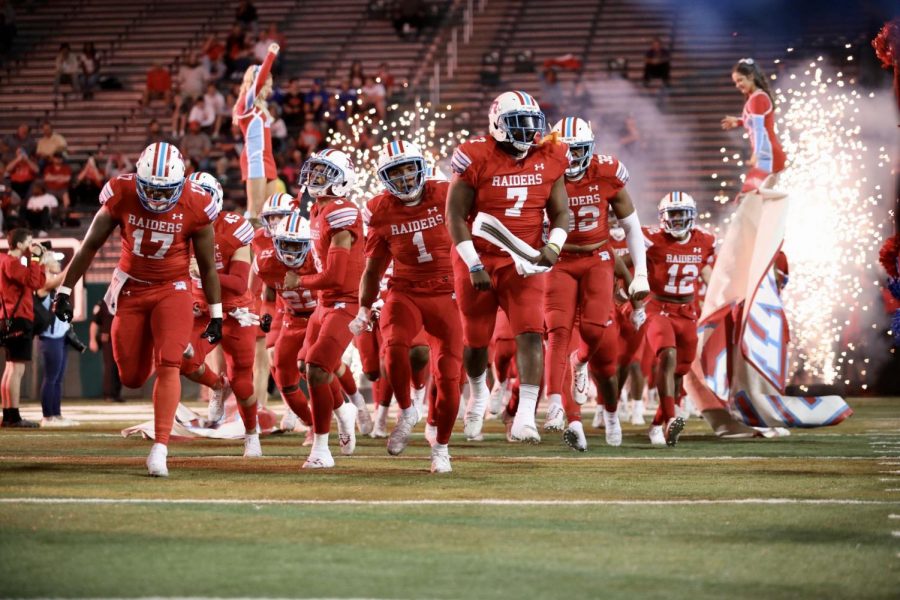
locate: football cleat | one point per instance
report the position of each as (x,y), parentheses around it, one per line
(156,461)
(656,435)
(399,437)
(497,396)
(418,400)
(508,423)
(524,429)
(363,416)
(574,436)
(579,380)
(288,421)
(637,412)
(346,423)
(440,459)
(252,448)
(431,434)
(379,427)
(556,418)
(473,420)
(597,421)
(309,438)
(216,409)
(319,459)
(613,428)
(673,431)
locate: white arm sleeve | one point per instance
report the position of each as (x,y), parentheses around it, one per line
(634,238)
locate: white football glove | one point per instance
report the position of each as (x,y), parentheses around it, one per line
(638,317)
(640,287)
(244,317)
(362,322)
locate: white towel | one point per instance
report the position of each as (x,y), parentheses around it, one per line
(491,229)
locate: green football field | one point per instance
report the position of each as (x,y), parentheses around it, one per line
(815,515)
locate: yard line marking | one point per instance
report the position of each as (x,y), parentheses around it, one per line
(896,534)
(453,502)
(457,457)
(889,472)
(892,490)
(889,479)
(893,516)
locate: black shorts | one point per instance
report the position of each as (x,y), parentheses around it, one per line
(18,347)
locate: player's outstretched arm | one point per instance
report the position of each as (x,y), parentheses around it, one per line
(623,206)
(101,228)
(558,215)
(460,200)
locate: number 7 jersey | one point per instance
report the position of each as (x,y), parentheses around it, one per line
(673,266)
(156,247)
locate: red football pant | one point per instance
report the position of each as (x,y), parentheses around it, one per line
(327,336)
(368,343)
(671,325)
(151,329)
(239,346)
(287,350)
(583,283)
(520,297)
(403,316)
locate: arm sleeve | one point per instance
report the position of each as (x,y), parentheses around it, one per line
(461,164)
(237,277)
(332,275)
(635,240)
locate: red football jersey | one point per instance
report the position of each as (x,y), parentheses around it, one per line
(156,247)
(325,221)
(415,237)
(673,266)
(514,191)
(262,242)
(232,232)
(272,271)
(589,200)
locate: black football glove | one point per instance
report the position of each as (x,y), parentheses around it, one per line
(213,331)
(265,323)
(62,307)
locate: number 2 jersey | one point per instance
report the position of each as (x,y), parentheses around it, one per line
(514,191)
(415,237)
(232,232)
(589,199)
(156,247)
(673,266)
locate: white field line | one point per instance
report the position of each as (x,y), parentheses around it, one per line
(460,458)
(892,489)
(893,516)
(890,479)
(896,534)
(451,502)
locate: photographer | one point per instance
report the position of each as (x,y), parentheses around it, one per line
(21,274)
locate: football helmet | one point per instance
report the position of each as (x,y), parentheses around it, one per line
(402,170)
(677,211)
(329,172)
(211,185)
(276,207)
(516,118)
(292,240)
(160,177)
(577,134)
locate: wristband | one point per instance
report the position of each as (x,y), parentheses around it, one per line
(467,252)
(558,237)
(215,311)
(64,290)
(476,268)
(554,247)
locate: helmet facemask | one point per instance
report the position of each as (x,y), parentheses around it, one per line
(677,221)
(521,128)
(404,179)
(291,252)
(581,158)
(318,175)
(158,197)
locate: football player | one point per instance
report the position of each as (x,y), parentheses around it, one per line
(160,215)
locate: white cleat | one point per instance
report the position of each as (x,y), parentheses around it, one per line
(319,459)
(473,420)
(400,435)
(156,461)
(613,428)
(440,459)
(310,437)
(579,379)
(637,412)
(288,421)
(556,418)
(346,423)
(363,417)
(508,423)
(418,400)
(216,410)
(597,421)
(574,436)
(657,437)
(431,434)
(495,404)
(379,427)
(524,429)
(252,449)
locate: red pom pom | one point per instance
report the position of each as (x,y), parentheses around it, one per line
(888,255)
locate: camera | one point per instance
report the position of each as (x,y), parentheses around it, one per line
(72,340)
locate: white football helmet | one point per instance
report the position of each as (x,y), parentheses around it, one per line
(212,186)
(677,211)
(160,177)
(329,172)
(402,170)
(516,118)
(577,134)
(276,207)
(292,240)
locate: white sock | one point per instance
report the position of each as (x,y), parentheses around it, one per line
(528,395)
(611,416)
(160,448)
(408,413)
(320,442)
(478,387)
(358,400)
(440,448)
(552,398)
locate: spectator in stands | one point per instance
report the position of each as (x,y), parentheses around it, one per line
(88,183)
(101,341)
(215,103)
(373,96)
(21,138)
(315,99)
(247,16)
(294,106)
(357,76)
(408,18)
(235,47)
(57,176)
(191,78)
(552,97)
(335,114)
(347,96)
(212,57)
(385,78)
(90,70)
(50,143)
(159,85)
(21,274)
(68,70)
(41,209)
(290,170)
(310,137)
(629,137)
(203,114)
(196,145)
(21,171)
(656,63)
(279,130)
(118,164)
(155,134)
(10,205)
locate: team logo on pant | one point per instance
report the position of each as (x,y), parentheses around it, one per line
(180,285)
